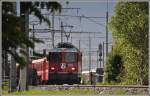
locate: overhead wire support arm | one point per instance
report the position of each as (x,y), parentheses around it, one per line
(82,16)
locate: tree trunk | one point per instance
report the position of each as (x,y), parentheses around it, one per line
(23,79)
(23,72)
(13,73)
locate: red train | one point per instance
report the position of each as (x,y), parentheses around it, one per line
(62,66)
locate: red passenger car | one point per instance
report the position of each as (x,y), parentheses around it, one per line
(39,70)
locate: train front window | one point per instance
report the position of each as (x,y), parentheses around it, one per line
(55,57)
(70,57)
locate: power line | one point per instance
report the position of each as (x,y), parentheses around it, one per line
(89,18)
(59,31)
(88,37)
(95,22)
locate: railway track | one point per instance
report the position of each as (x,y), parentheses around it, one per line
(86,86)
(94,87)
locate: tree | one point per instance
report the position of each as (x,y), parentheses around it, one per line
(129,27)
(13,29)
(114,67)
(12,38)
(33,8)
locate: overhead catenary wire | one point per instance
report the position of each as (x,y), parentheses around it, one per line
(89,18)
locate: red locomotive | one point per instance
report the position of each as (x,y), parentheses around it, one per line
(63,66)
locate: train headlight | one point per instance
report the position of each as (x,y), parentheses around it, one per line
(73,68)
(52,68)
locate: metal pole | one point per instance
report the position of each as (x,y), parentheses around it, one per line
(90,59)
(33,38)
(61,31)
(107,30)
(71,39)
(103,54)
(53,32)
(33,35)
(79,44)
(97,58)
(106,33)
(1,49)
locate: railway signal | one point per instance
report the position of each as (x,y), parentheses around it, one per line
(100,53)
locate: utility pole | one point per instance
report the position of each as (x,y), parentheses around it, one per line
(106,33)
(61,31)
(90,60)
(79,44)
(103,53)
(1,50)
(97,58)
(53,32)
(107,30)
(81,53)
(33,37)
(33,32)
(71,39)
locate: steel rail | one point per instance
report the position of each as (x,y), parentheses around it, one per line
(86,86)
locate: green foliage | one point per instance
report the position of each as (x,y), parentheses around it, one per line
(129,27)
(13,27)
(113,68)
(34,8)
(12,35)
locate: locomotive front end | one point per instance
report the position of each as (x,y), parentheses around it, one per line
(64,66)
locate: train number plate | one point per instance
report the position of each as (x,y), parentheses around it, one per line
(63,65)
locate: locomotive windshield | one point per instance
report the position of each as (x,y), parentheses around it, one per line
(70,57)
(55,57)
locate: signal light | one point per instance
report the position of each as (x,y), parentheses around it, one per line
(52,68)
(73,68)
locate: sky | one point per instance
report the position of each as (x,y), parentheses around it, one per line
(89,9)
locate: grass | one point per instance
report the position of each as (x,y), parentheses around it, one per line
(75,92)
(56,92)
(5,87)
(78,92)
